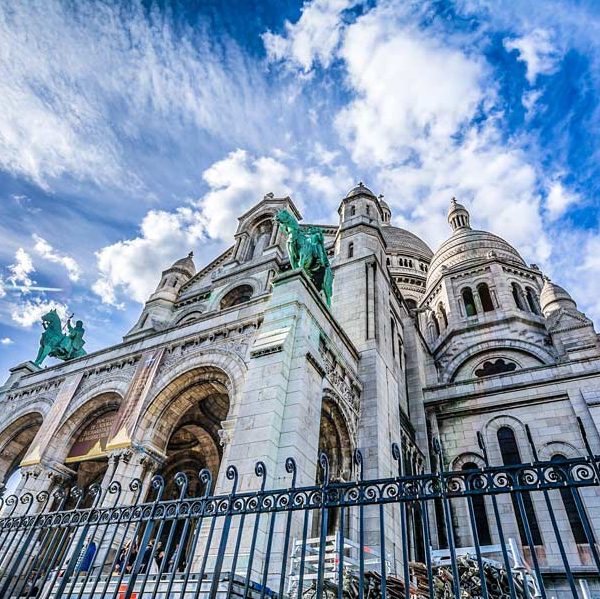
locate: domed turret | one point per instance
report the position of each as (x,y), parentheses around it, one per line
(467,245)
(186,265)
(360,190)
(160,304)
(476,284)
(385,211)
(458,216)
(553,297)
(360,201)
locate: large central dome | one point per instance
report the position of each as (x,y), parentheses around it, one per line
(401,239)
(468,245)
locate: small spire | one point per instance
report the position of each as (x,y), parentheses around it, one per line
(191,254)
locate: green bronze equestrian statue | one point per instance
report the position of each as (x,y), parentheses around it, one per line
(306,248)
(57,344)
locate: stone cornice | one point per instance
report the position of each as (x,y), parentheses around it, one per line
(538,376)
(107,365)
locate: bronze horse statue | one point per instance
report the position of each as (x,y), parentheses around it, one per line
(306,249)
(57,344)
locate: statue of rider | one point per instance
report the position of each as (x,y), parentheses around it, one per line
(75,341)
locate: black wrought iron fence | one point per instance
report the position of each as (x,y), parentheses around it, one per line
(402,536)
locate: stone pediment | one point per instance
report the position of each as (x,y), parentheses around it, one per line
(567,320)
(203,279)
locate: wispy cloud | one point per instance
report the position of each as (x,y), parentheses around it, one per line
(313,38)
(6,341)
(29,312)
(46,251)
(537,50)
(143,81)
(20,271)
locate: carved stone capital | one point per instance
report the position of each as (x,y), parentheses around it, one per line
(226,433)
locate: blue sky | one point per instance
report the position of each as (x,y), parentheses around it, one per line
(134,132)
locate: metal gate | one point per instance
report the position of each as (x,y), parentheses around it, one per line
(402,536)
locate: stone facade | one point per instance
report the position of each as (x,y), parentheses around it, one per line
(242,361)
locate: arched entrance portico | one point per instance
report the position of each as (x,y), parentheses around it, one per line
(183,423)
(335,442)
(14,443)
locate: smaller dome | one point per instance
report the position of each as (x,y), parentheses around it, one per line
(554,297)
(186,264)
(360,189)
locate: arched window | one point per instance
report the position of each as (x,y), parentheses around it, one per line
(518,296)
(511,456)
(481,522)
(352,210)
(436,325)
(350,249)
(469,301)
(531,300)
(442,313)
(368,210)
(568,500)
(388,261)
(236,296)
(400,351)
(486,299)
(393,334)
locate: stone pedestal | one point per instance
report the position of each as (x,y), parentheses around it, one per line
(279,414)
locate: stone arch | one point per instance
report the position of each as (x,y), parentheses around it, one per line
(117,384)
(183,422)
(189,316)
(15,440)
(77,420)
(251,281)
(503,346)
(164,412)
(335,438)
(464,458)
(490,433)
(225,361)
(465,532)
(552,448)
(259,232)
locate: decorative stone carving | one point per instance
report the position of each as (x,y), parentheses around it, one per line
(226,433)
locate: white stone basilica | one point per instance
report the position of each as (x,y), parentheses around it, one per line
(243,361)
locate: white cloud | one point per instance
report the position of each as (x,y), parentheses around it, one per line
(236,183)
(420,97)
(21,270)
(133,266)
(6,341)
(2,288)
(45,250)
(313,38)
(537,50)
(29,312)
(559,199)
